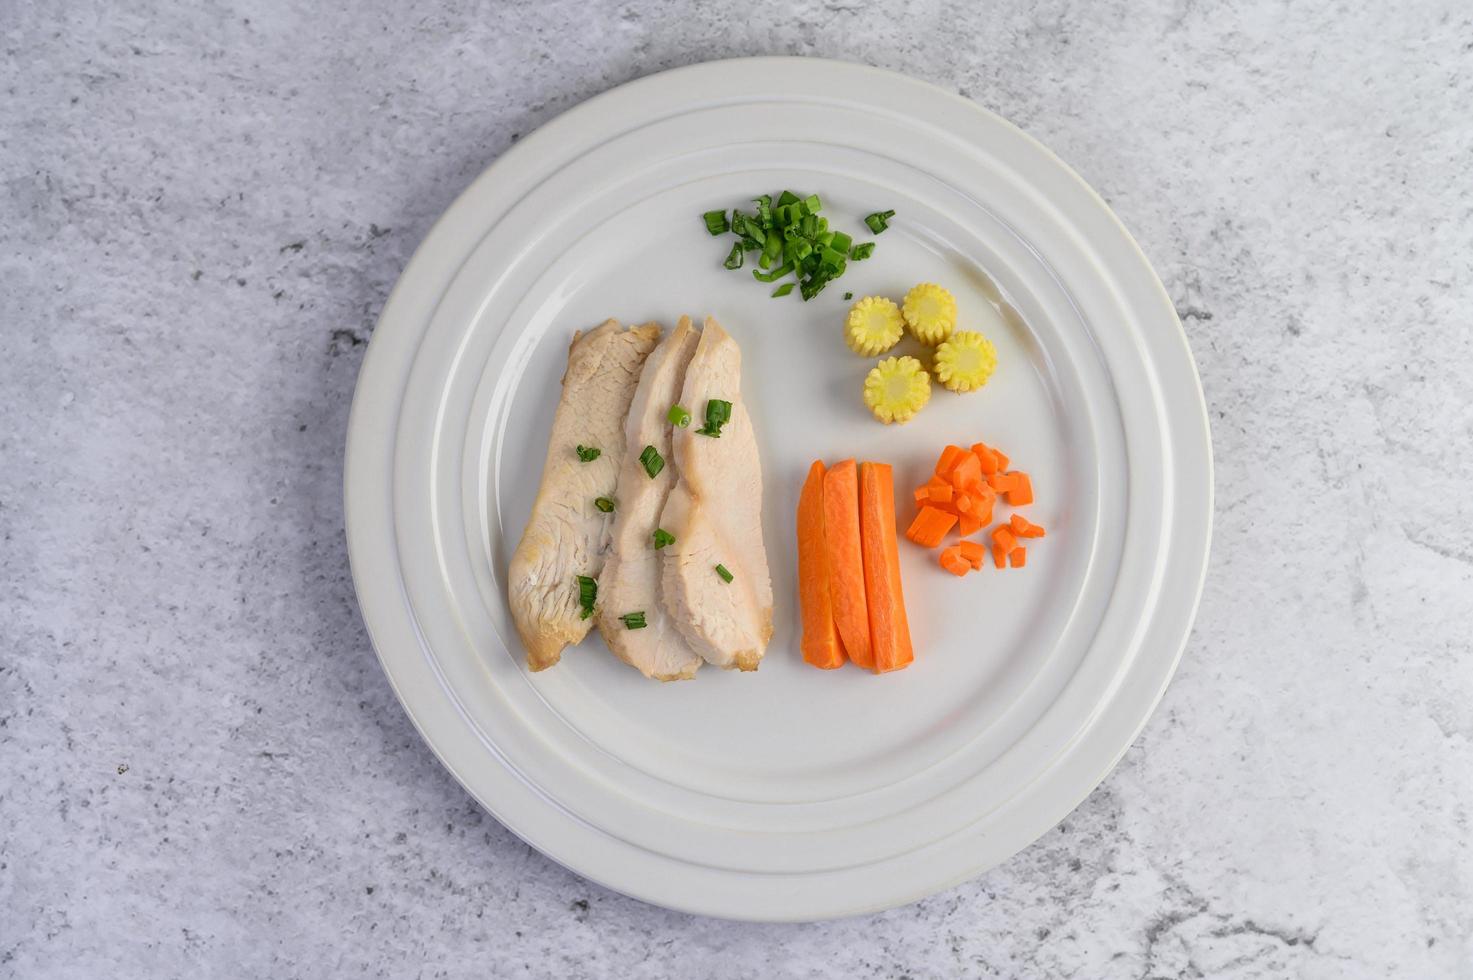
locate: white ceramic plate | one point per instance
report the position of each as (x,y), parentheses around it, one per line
(790,793)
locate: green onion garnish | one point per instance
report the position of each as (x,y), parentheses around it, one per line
(588,454)
(716,222)
(718,413)
(587,595)
(792,238)
(848,295)
(725,575)
(652,461)
(678,416)
(879,221)
(633,621)
(662,538)
(775,274)
(604,504)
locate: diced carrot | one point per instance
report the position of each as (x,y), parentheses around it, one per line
(967,471)
(964,504)
(1003,538)
(986,457)
(1001,482)
(930,527)
(973,552)
(1002,460)
(999,556)
(1023,528)
(1018,557)
(953,562)
(986,498)
(950,456)
(889,628)
(1021,492)
(846,560)
(820,641)
(941,495)
(922,494)
(970,524)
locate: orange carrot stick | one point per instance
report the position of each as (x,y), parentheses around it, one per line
(846,560)
(889,629)
(930,526)
(820,642)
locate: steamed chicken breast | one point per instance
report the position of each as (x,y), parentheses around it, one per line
(630,581)
(566,535)
(715,513)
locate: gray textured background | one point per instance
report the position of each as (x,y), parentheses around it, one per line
(202,769)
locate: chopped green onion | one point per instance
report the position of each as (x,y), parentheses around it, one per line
(678,416)
(771,249)
(786,198)
(725,575)
(633,621)
(652,461)
(775,274)
(782,290)
(718,413)
(861,251)
(716,222)
(588,454)
(879,221)
(662,538)
(764,210)
(587,595)
(812,203)
(810,288)
(604,504)
(840,242)
(848,295)
(734,258)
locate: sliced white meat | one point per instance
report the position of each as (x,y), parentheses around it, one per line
(566,535)
(630,581)
(715,513)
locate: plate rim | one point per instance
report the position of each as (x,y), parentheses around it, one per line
(362,434)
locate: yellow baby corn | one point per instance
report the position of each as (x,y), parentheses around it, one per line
(873,326)
(965,361)
(930,312)
(897,389)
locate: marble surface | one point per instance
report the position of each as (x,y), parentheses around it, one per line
(202,769)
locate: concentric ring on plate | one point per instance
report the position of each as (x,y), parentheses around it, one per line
(454,374)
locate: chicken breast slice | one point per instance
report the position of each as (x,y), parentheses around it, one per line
(566,536)
(715,513)
(630,581)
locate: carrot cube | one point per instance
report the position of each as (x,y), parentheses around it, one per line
(930,527)
(967,471)
(953,562)
(1024,528)
(1002,460)
(973,552)
(999,556)
(970,524)
(985,457)
(1003,538)
(950,456)
(941,494)
(1021,492)
(1018,557)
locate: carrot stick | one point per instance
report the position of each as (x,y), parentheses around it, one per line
(820,643)
(846,560)
(930,526)
(889,629)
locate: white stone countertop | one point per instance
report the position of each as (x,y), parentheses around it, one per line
(203,772)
